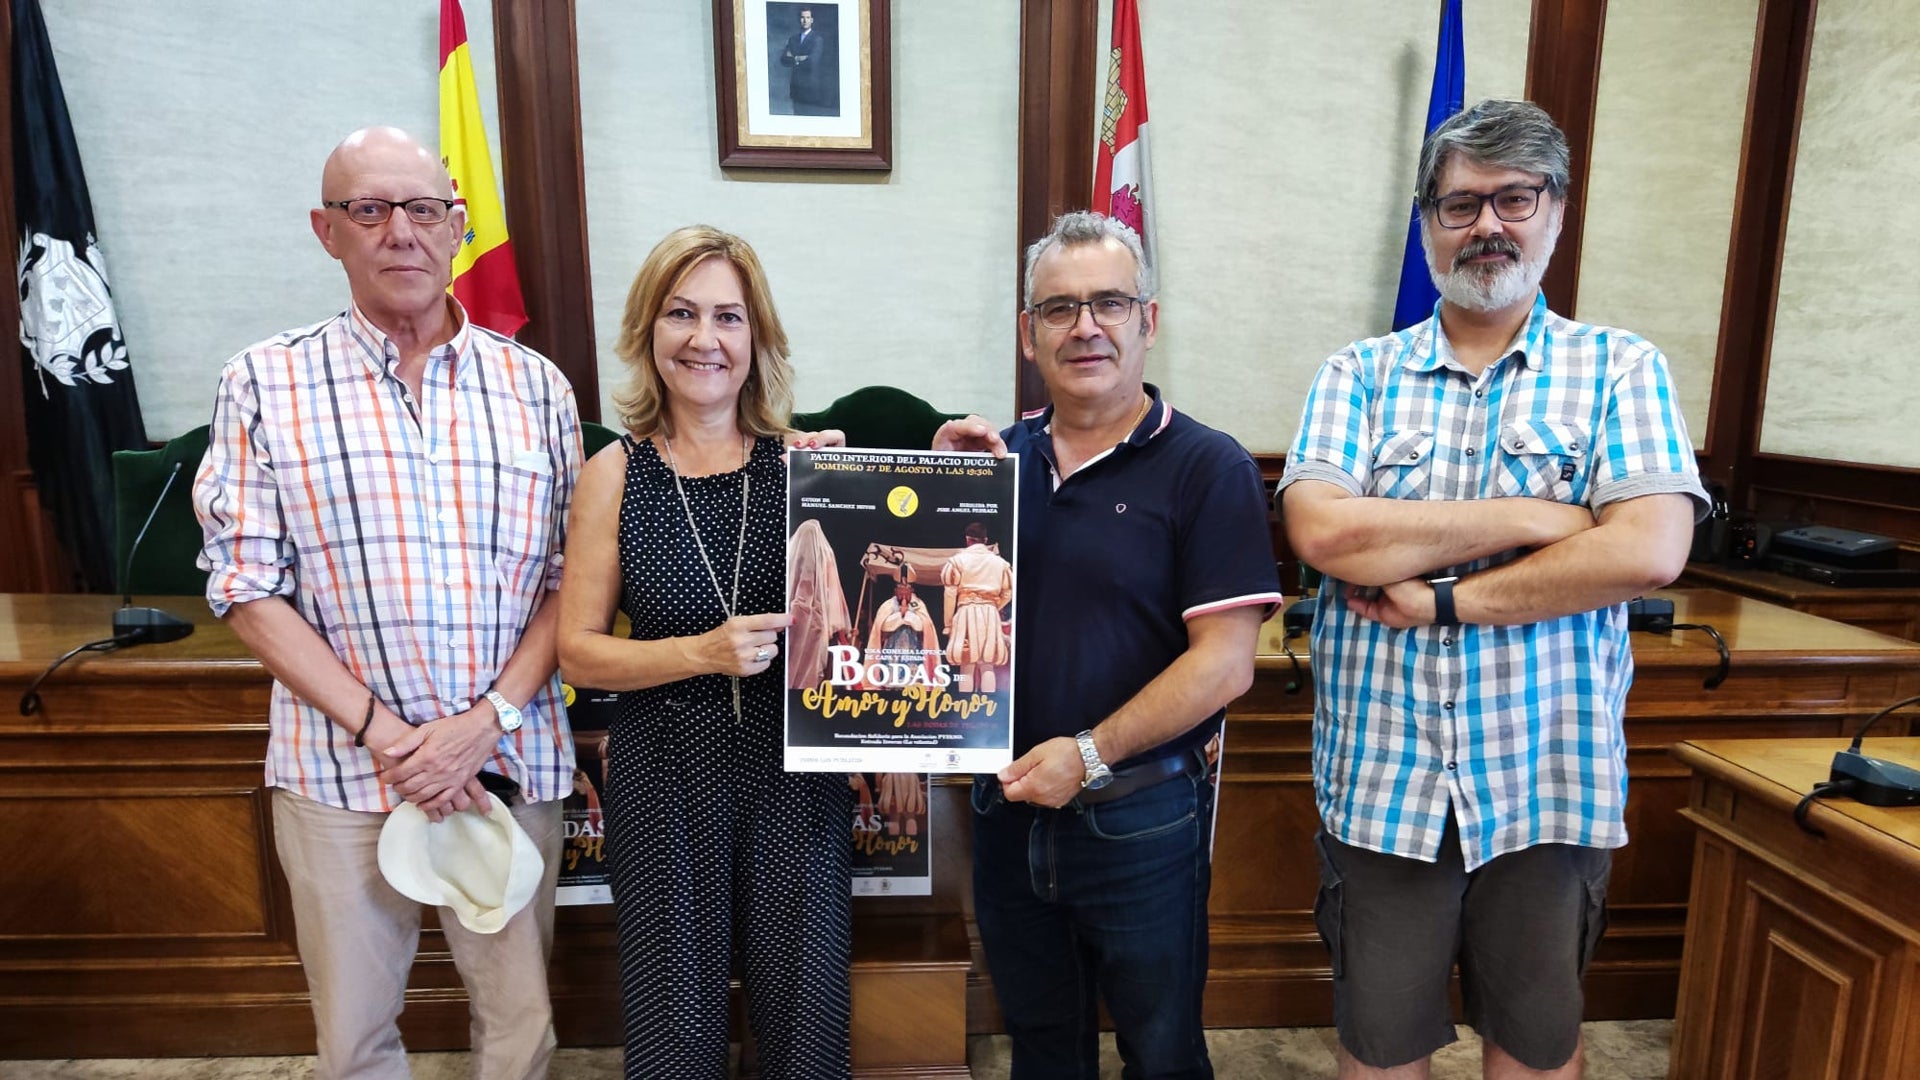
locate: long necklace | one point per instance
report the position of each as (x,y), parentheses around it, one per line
(727,607)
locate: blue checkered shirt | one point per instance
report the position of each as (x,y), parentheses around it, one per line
(1517,728)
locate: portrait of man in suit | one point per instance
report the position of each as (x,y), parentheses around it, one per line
(810,57)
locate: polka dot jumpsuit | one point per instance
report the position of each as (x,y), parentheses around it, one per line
(710,838)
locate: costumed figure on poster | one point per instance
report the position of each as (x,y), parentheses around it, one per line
(983,583)
(903,631)
(585,826)
(817,603)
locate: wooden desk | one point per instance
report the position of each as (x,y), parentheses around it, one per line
(142,911)
(1803,953)
(1890,611)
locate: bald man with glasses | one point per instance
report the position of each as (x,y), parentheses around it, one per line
(383,501)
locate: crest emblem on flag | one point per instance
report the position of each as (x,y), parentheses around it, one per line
(66,312)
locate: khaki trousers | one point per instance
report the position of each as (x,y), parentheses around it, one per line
(358,937)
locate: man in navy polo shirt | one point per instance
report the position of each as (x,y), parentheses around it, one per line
(1144,571)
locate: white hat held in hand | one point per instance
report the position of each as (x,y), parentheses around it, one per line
(483,866)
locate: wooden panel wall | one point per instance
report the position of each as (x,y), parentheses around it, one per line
(1057,81)
(545,177)
(1563,77)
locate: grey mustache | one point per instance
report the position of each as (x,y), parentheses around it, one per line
(1492,245)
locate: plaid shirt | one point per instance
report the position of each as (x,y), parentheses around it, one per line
(1518,728)
(415,540)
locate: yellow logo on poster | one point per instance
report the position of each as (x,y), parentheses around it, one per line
(902,501)
(567,695)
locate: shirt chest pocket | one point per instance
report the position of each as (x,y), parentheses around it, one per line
(1542,459)
(522,508)
(1402,465)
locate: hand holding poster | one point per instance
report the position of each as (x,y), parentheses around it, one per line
(900,587)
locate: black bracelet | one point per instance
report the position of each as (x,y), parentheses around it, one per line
(360,737)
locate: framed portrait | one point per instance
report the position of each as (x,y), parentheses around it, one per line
(803,84)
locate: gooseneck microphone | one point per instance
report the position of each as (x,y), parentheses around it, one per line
(147,624)
(1870,780)
(131,625)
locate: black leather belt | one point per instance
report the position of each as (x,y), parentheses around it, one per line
(1140,777)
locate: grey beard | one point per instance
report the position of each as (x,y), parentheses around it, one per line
(1478,290)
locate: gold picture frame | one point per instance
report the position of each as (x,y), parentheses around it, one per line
(803,85)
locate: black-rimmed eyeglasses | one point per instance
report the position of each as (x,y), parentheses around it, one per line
(422,211)
(1509,204)
(1061,313)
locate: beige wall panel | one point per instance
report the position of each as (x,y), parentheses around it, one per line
(904,278)
(203,125)
(1842,382)
(1284,143)
(1659,200)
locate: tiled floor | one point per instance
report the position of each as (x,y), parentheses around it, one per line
(1626,1050)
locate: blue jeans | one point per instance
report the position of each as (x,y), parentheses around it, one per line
(1108,899)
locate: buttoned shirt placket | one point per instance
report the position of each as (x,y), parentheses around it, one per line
(1458,450)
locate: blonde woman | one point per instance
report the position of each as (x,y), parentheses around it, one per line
(682,526)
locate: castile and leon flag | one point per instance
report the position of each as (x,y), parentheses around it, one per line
(1122,171)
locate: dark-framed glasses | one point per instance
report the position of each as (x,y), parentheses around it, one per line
(425,210)
(1060,313)
(1516,203)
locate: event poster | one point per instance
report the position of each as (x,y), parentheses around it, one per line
(585,875)
(900,572)
(892,844)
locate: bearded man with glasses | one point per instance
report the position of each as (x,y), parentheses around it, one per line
(383,500)
(1484,491)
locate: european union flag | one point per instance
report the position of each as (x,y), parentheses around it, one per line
(1417,294)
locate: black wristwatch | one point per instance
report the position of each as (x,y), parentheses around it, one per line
(1443,614)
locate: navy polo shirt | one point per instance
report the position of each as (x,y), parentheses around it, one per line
(1169,524)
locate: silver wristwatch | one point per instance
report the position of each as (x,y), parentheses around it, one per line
(505,711)
(1098,775)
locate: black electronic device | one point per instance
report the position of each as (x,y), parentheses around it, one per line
(1298,618)
(1843,548)
(1713,535)
(1842,577)
(1748,541)
(1653,614)
(1876,781)
(1870,781)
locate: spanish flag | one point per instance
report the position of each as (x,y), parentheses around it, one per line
(484,279)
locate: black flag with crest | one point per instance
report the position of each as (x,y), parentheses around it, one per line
(80,400)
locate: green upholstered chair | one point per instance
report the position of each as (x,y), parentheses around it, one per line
(596,437)
(880,417)
(164,565)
